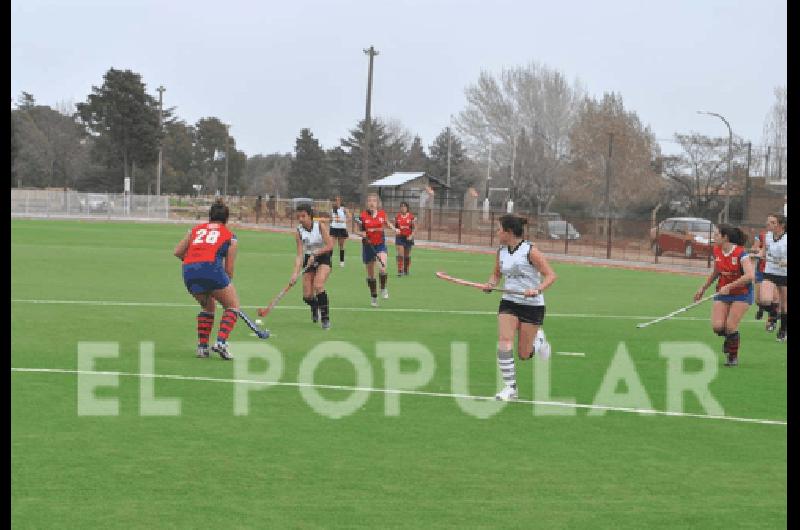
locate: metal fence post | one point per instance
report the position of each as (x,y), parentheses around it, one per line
(460,220)
(655,244)
(491,231)
(710,230)
(27,194)
(566,237)
(430,222)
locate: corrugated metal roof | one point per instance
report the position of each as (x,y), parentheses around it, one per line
(397,179)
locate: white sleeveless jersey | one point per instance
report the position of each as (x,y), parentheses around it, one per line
(338,218)
(776,252)
(520,274)
(312,239)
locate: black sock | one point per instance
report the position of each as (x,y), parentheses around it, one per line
(783,321)
(773,311)
(383,276)
(720,332)
(341,254)
(324,308)
(406,262)
(373,287)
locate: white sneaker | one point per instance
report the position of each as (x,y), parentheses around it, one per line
(540,345)
(374,302)
(385,293)
(507,394)
(341,263)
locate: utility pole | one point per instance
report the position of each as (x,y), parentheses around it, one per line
(746,212)
(608,197)
(488,172)
(449,143)
(161,90)
(372,52)
(227,142)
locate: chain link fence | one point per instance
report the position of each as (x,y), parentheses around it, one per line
(69,203)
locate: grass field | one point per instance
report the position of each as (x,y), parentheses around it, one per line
(284,465)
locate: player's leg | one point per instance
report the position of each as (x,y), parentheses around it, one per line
(341,250)
(407,258)
(309,296)
(323,302)
(757,290)
(205,322)
(383,275)
(719,316)
(506,328)
(401,255)
(783,294)
(525,337)
(368,257)
(767,302)
(736,311)
(229,299)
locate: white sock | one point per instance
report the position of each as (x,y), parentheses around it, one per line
(505,360)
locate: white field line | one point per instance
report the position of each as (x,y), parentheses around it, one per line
(571,353)
(401,392)
(114,303)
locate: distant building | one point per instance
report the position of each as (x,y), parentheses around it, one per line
(418,189)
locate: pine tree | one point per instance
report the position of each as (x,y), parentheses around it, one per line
(308,176)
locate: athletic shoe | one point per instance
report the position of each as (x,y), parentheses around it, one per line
(508,393)
(540,345)
(374,301)
(759,314)
(202,351)
(733,360)
(770,324)
(341,263)
(385,293)
(326,323)
(222,349)
(781,337)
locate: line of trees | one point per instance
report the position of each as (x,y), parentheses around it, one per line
(537,134)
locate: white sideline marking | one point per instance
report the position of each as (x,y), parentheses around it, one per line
(358,309)
(403,392)
(571,353)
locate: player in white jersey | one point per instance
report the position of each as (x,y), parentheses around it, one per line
(314,249)
(525,269)
(339,226)
(775,252)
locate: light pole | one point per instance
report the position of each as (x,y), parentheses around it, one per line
(730,161)
(161,91)
(372,52)
(449,143)
(227,143)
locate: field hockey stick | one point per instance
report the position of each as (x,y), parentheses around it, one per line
(681,310)
(260,333)
(481,286)
(264,311)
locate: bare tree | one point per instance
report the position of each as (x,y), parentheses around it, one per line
(534,98)
(775,135)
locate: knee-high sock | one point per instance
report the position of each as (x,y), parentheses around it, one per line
(323,303)
(383,277)
(784,318)
(406,262)
(205,321)
(399,263)
(229,318)
(341,255)
(373,287)
(505,361)
(773,311)
(732,343)
(313,304)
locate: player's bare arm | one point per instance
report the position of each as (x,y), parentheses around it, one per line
(230,258)
(182,246)
(326,238)
(298,259)
(746,278)
(548,274)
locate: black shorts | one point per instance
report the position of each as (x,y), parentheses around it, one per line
(777,279)
(322,259)
(339,232)
(527,314)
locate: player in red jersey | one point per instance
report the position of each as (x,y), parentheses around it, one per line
(371,224)
(208,253)
(404,240)
(734,271)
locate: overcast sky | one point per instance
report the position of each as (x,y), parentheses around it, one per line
(270,68)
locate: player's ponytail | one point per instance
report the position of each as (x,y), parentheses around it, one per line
(512,223)
(219,212)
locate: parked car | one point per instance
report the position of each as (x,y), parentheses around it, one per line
(558,230)
(690,236)
(95,202)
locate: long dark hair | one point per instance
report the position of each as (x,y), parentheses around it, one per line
(734,234)
(512,223)
(780,218)
(219,212)
(404,203)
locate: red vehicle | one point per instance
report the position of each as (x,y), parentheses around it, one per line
(690,236)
